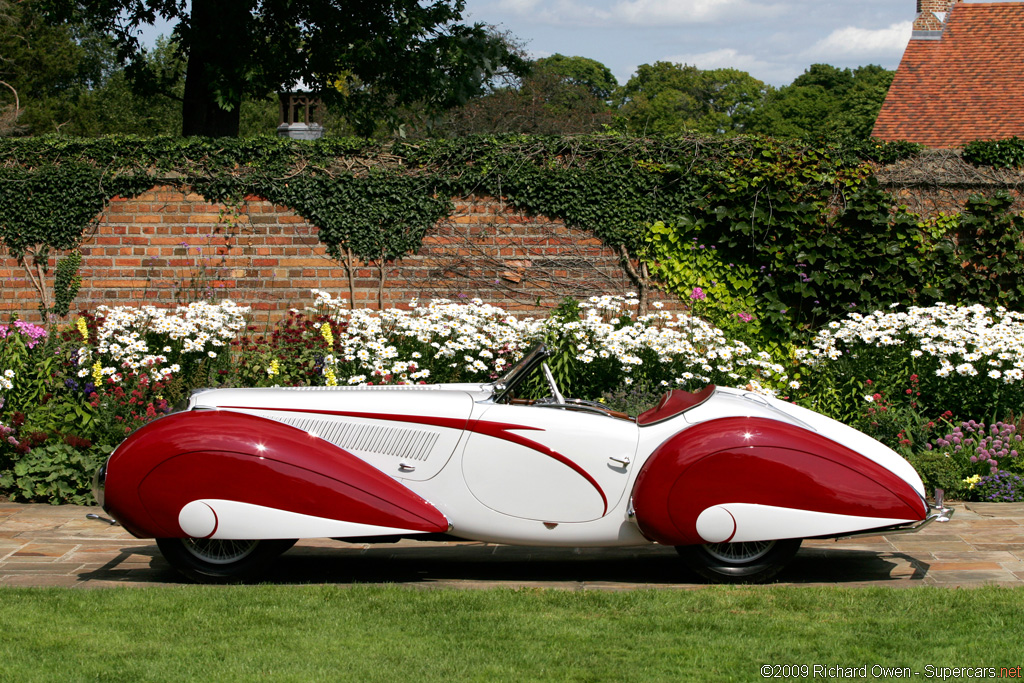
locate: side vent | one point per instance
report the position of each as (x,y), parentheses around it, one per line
(401,442)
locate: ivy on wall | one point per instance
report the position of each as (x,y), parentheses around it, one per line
(1007,153)
(807,223)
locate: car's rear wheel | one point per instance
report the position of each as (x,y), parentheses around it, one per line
(745,562)
(208,560)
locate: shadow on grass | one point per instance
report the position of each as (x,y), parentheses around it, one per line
(478,565)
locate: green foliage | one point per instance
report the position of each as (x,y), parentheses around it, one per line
(367,58)
(633,399)
(683,265)
(50,206)
(66,282)
(589,74)
(380,217)
(666,98)
(989,251)
(1007,153)
(825,100)
(54,473)
(816,230)
(545,102)
(807,230)
(891,151)
(942,471)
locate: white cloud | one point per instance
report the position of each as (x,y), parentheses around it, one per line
(560,12)
(649,13)
(719,59)
(731,58)
(862,42)
(677,12)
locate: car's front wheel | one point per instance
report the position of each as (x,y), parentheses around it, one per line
(744,562)
(220,561)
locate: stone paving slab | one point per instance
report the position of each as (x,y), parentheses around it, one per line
(42,545)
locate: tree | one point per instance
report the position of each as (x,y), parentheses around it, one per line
(580,71)
(367,58)
(825,100)
(669,98)
(45,68)
(560,96)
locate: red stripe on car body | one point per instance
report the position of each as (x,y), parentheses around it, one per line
(498,430)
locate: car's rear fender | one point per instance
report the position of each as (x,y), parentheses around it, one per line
(222,474)
(754,478)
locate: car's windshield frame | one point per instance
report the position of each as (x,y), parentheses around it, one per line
(519,372)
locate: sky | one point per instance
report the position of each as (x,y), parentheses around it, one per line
(773,40)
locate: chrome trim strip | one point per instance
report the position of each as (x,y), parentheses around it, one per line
(937,514)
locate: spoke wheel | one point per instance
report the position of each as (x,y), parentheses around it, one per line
(219,552)
(745,562)
(220,561)
(739,552)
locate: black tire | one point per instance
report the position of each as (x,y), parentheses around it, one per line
(751,562)
(214,561)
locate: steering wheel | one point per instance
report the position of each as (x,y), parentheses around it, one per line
(551,383)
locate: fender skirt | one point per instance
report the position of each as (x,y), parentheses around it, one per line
(271,479)
(748,478)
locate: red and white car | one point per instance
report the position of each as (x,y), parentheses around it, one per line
(733,479)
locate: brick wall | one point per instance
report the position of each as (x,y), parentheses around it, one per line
(168,246)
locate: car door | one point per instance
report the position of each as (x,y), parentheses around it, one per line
(548,464)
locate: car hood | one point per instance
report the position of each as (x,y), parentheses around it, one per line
(391,402)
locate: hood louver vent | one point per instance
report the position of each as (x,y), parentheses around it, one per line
(400,442)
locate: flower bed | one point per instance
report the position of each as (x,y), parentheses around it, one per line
(919,380)
(926,380)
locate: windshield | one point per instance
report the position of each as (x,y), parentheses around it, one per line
(520,371)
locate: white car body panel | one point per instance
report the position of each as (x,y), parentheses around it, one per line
(493,488)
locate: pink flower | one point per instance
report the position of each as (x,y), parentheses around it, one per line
(33,333)
(698,294)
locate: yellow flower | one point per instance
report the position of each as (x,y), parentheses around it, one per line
(325,331)
(97,373)
(332,380)
(82,329)
(274,369)
(972,480)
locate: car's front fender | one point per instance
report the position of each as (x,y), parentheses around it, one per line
(233,474)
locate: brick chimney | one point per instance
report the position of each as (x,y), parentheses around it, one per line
(931,17)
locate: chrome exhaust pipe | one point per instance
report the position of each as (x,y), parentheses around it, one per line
(97,518)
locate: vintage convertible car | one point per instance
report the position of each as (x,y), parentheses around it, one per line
(734,480)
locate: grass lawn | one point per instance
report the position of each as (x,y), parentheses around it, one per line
(328,633)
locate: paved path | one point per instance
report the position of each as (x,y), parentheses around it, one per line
(41,545)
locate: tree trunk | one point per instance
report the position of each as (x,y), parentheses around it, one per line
(217,54)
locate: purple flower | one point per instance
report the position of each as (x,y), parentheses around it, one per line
(698,294)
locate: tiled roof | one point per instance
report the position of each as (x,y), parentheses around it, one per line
(968,84)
